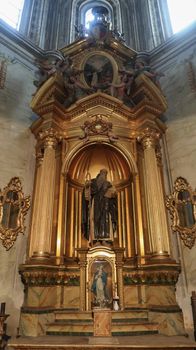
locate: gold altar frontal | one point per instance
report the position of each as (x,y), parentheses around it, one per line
(130,270)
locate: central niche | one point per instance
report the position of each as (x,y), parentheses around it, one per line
(98,71)
(91,159)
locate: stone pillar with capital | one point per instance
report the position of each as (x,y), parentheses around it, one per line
(156,212)
(43,215)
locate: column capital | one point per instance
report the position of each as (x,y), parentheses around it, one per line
(149,137)
(49,137)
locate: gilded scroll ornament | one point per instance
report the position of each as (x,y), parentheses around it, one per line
(49,137)
(149,138)
(13,208)
(98,126)
(182,207)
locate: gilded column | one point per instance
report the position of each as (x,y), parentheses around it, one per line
(119,274)
(82,252)
(39,161)
(44,213)
(157,222)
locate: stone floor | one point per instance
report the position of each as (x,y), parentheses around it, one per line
(77,342)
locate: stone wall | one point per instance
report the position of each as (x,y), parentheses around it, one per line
(177,60)
(16,159)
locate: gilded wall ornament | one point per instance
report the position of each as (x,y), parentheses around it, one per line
(13,208)
(98,126)
(182,207)
(149,138)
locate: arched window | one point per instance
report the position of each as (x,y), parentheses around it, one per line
(182,13)
(89,17)
(82,14)
(11,11)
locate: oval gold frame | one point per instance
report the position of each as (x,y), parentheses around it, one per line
(187,234)
(9,235)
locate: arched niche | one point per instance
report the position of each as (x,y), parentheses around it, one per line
(79,8)
(91,159)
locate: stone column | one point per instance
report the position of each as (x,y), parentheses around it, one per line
(45,199)
(156,212)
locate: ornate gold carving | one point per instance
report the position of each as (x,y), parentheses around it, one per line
(13,208)
(98,126)
(149,138)
(182,208)
(50,137)
(48,278)
(151,277)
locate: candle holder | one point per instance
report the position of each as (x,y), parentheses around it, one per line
(116,303)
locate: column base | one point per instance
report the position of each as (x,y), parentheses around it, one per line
(160,255)
(160,258)
(41,255)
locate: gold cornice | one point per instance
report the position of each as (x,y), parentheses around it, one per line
(151,92)
(112,45)
(52,90)
(43,124)
(113,107)
(51,107)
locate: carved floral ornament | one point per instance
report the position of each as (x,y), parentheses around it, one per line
(182,207)
(97,126)
(149,138)
(49,137)
(13,208)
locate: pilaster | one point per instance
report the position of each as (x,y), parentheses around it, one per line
(158,229)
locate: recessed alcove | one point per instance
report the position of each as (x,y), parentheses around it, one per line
(90,160)
(98,156)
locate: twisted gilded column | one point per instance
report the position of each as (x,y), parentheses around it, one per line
(157,221)
(43,214)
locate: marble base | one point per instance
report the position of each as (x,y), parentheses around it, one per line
(102,323)
(149,342)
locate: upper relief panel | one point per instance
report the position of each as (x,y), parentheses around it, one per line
(98,62)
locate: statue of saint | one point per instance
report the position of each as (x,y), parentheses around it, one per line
(99,209)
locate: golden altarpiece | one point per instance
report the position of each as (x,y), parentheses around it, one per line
(96,111)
